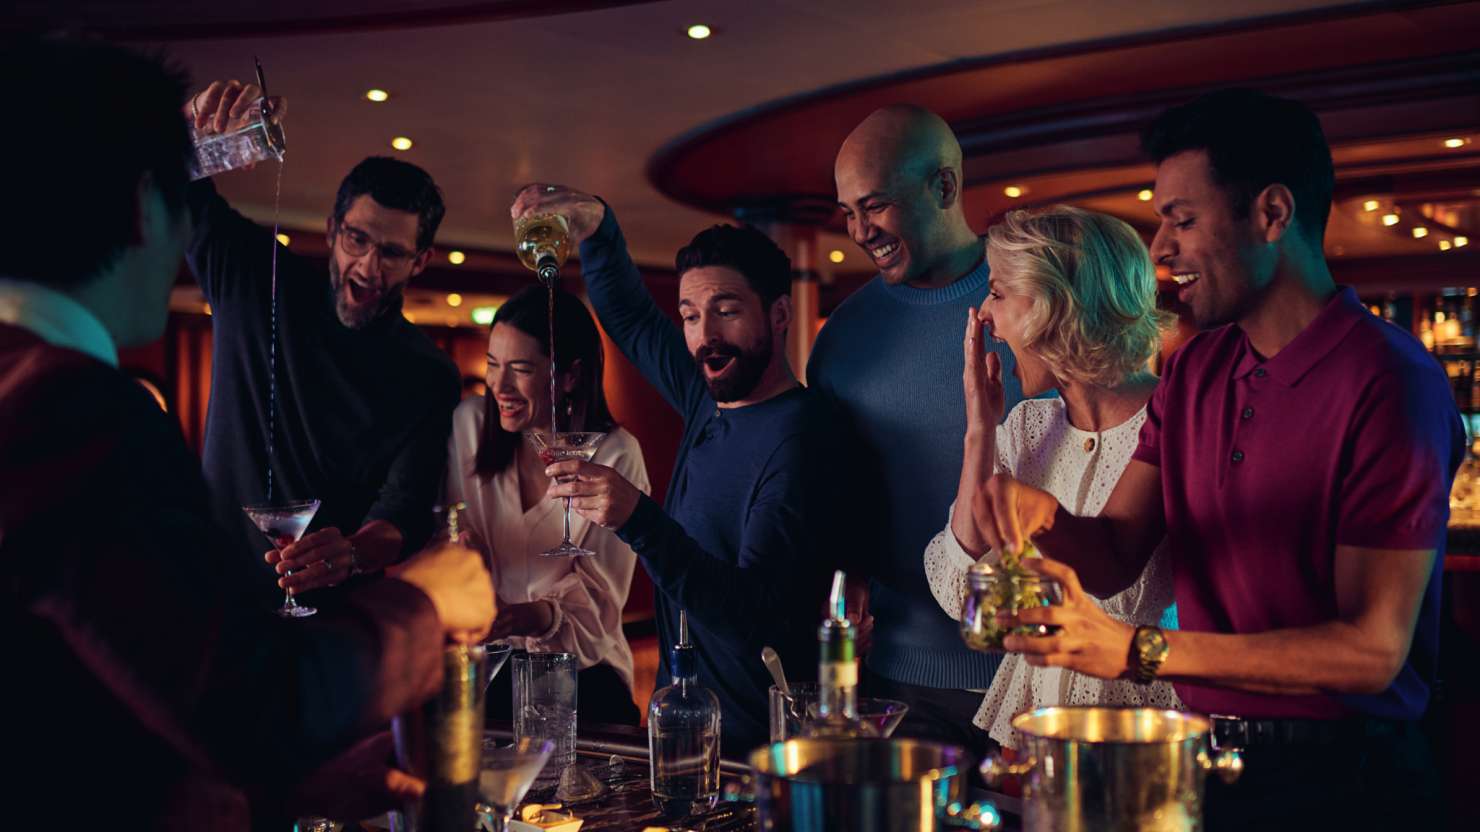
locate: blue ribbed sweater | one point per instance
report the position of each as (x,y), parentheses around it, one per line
(890,358)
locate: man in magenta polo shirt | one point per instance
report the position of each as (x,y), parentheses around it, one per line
(1297,458)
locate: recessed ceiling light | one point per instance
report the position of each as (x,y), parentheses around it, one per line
(1014,191)
(1461,241)
(454,299)
(1444,245)
(401,143)
(377,95)
(1371,205)
(1145,195)
(1389,219)
(456,258)
(836,255)
(285,239)
(1419,232)
(699,31)
(1455,142)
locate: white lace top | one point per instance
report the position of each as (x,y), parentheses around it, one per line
(1037,445)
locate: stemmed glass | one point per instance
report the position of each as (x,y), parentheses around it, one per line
(554,447)
(284,524)
(498,653)
(506,775)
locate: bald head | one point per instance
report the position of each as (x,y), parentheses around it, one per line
(903,139)
(898,176)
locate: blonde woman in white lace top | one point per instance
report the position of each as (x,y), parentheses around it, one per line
(1074,296)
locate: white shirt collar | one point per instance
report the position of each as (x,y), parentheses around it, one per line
(56,319)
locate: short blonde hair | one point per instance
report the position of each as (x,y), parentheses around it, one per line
(1093,289)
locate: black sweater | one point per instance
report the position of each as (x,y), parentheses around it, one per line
(362,415)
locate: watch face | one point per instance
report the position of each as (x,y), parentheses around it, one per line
(1151,642)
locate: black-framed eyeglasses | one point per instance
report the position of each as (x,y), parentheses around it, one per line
(357,243)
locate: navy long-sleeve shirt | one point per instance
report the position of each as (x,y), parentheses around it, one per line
(363,415)
(738,542)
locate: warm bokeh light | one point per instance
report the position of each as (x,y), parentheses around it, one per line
(1371,205)
(454,299)
(401,143)
(1461,241)
(1419,232)
(699,31)
(1014,191)
(1455,142)
(456,258)
(1389,219)
(1145,195)
(377,95)
(1445,245)
(836,255)
(285,239)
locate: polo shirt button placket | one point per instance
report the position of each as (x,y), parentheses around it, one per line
(1238,456)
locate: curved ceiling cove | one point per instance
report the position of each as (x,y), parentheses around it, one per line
(1065,120)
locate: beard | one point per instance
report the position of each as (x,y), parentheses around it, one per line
(745,371)
(359,316)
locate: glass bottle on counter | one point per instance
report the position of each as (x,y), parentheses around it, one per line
(683,736)
(837,673)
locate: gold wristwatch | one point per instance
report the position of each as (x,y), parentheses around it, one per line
(1149,649)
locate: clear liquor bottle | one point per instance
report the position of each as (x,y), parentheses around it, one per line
(683,736)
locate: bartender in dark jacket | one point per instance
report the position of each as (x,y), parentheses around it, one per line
(363,399)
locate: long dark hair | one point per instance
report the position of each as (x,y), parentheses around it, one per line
(578,340)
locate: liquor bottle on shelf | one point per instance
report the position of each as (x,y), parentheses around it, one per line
(683,735)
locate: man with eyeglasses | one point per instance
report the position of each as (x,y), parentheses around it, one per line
(362,398)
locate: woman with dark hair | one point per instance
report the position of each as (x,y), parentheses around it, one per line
(546,604)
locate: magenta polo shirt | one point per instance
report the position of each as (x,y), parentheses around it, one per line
(1348,436)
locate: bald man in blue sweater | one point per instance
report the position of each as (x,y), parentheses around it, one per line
(890,359)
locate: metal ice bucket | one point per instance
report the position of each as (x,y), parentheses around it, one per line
(863,785)
(1112,769)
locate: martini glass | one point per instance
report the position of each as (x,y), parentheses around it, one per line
(507,773)
(554,447)
(285,524)
(498,653)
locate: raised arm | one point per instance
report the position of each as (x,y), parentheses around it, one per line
(226,249)
(626,309)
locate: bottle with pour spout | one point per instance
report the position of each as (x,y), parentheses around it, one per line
(837,673)
(683,735)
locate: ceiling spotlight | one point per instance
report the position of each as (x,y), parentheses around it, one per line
(699,31)
(454,299)
(401,143)
(456,258)
(835,255)
(377,96)
(1455,142)
(1419,232)
(1370,205)
(284,239)
(1014,191)
(1145,195)
(1389,219)
(1461,241)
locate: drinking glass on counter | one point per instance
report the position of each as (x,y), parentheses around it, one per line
(545,708)
(790,715)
